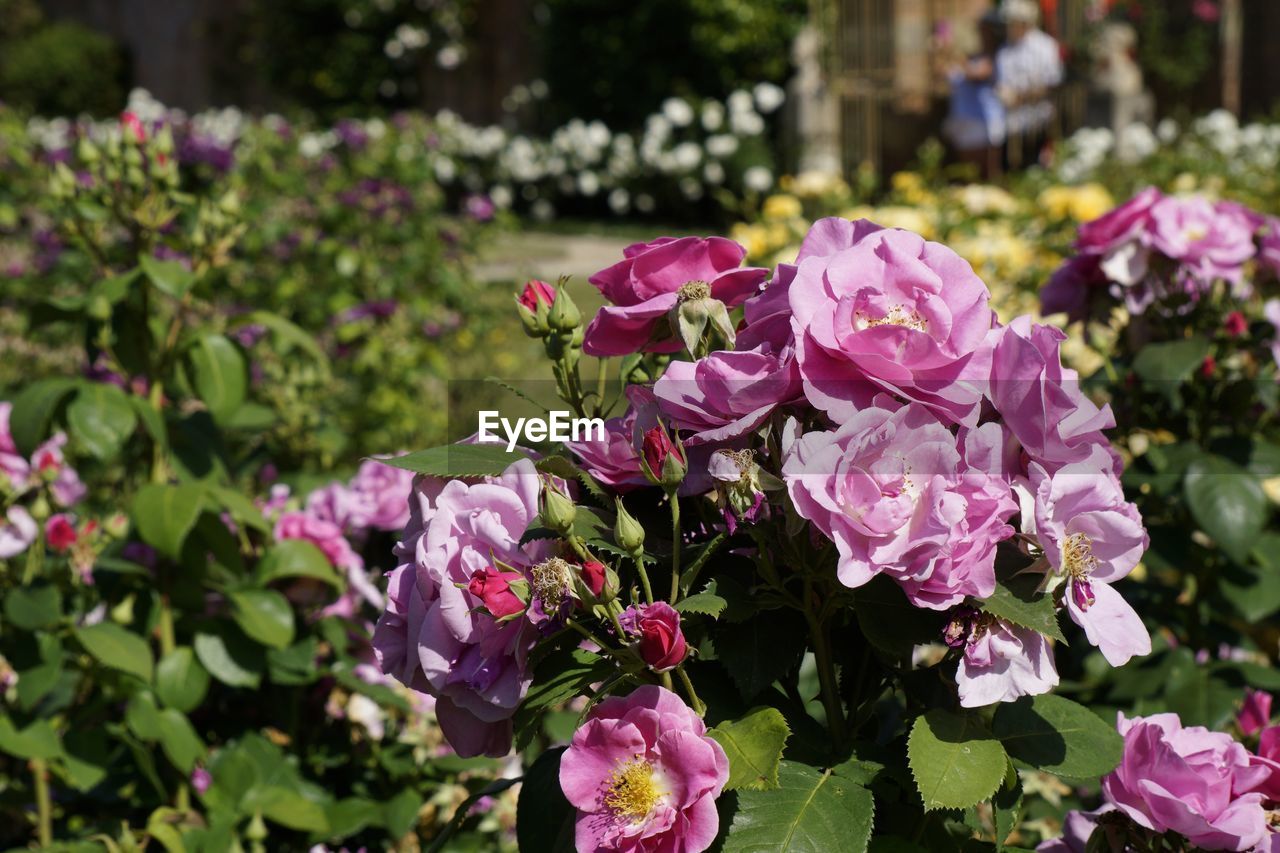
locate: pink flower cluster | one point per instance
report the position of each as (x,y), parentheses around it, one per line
(20,477)
(1163,251)
(1200,784)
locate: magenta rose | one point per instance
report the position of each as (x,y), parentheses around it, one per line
(646,285)
(656,628)
(432,637)
(643,775)
(1212,240)
(1040,401)
(536,291)
(1255,713)
(493,588)
(1120,225)
(614,461)
(1187,780)
(885,310)
(891,489)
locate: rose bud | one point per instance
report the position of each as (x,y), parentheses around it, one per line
(532,305)
(663,460)
(1208,367)
(564,315)
(1235,324)
(662,643)
(494,588)
(558,510)
(593,573)
(597,583)
(627,532)
(131,127)
(59,532)
(1256,712)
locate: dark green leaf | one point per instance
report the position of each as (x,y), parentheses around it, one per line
(544,818)
(181,682)
(458,460)
(179,739)
(760,651)
(37,740)
(1227,502)
(219,374)
(265,615)
(33,409)
(1018,600)
(32,607)
(1054,734)
(229,656)
(562,675)
(891,622)
(164,515)
(706,603)
(101,419)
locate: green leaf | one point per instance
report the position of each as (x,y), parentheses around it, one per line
(560,676)
(37,740)
(179,739)
(294,665)
(1006,806)
(229,656)
(890,621)
(241,508)
(1165,366)
(1254,591)
(954,759)
(86,757)
(288,335)
(219,375)
(349,816)
(33,409)
(754,745)
(152,421)
(400,813)
(32,607)
(265,615)
(101,419)
(169,277)
(1227,502)
(1056,735)
(296,558)
(812,811)
(458,460)
(181,682)
(544,818)
(292,810)
(760,651)
(1017,600)
(706,603)
(164,515)
(142,716)
(118,648)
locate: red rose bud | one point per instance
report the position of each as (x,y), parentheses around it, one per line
(1235,325)
(593,574)
(132,127)
(663,458)
(494,589)
(537,292)
(59,532)
(533,305)
(1208,366)
(662,644)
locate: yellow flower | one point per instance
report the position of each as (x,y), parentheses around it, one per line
(896,216)
(754,237)
(1081,204)
(985,200)
(782,206)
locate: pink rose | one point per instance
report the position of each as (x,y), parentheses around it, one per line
(648,283)
(1235,325)
(893,492)
(1268,757)
(594,575)
(48,462)
(614,461)
(643,775)
(884,310)
(536,291)
(1119,226)
(430,636)
(657,628)
(1187,780)
(1041,402)
(1001,661)
(1256,711)
(1093,537)
(657,447)
(1212,240)
(60,532)
(380,493)
(17,531)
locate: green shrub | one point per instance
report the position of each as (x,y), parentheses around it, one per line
(62,68)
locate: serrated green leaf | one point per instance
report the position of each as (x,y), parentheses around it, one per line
(1017,599)
(812,811)
(754,743)
(760,651)
(118,648)
(955,761)
(559,677)
(1056,735)
(458,460)
(1006,807)
(706,603)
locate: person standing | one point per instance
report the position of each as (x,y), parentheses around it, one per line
(1029,69)
(975,122)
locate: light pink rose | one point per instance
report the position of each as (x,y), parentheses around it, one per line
(17,532)
(328,537)
(645,285)
(1001,661)
(894,493)
(1187,780)
(615,461)
(643,775)
(1212,240)
(1093,537)
(884,310)
(432,636)
(381,494)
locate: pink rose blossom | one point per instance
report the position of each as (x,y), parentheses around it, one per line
(17,531)
(60,532)
(726,395)
(1212,240)
(431,636)
(1120,225)
(328,537)
(1001,661)
(893,492)
(1235,325)
(1187,780)
(1093,537)
(643,775)
(536,291)
(1040,401)
(1268,757)
(493,588)
(381,493)
(646,285)
(656,627)
(883,310)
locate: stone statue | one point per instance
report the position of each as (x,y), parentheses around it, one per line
(1117,97)
(814,125)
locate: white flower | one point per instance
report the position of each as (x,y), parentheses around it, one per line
(686,156)
(588,183)
(746,123)
(740,101)
(450,57)
(501,196)
(713,173)
(1167,130)
(644,203)
(722,145)
(619,201)
(394,48)
(712,116)
(768,97)
(363,710)
(758,179)
(678,112)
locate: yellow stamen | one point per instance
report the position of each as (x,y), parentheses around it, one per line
(633,790)
(1077,556)
(897,316)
